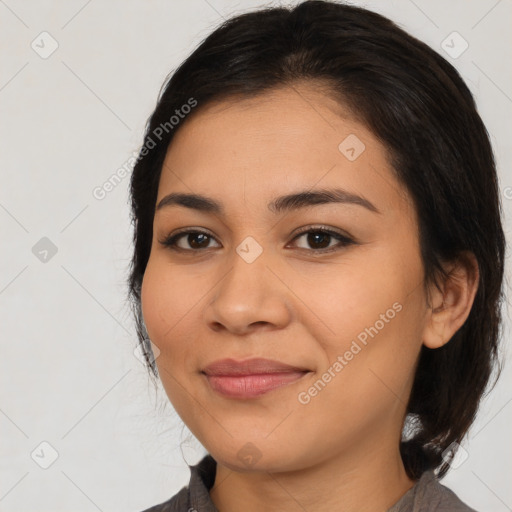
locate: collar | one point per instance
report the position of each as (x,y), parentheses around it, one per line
(203,477)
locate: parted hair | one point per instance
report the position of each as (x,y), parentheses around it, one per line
(420,109)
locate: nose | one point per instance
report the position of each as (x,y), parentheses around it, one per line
(250,296)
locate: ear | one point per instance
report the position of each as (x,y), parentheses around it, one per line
(451,303)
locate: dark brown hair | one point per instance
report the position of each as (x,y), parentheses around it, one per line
(418,106)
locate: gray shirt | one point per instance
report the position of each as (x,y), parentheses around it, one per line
(427,495)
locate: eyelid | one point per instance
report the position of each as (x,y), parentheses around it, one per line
(322,228)
(170,240)
(344,240)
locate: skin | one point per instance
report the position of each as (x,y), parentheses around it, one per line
(293,303)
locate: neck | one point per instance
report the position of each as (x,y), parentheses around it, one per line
(373,479)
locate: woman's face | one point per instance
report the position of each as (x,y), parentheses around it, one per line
(265,283)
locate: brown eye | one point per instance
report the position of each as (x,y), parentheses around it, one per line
(319,240)
(196,240)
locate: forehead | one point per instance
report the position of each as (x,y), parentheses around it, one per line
(276,143)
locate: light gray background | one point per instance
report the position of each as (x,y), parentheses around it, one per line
(70,121)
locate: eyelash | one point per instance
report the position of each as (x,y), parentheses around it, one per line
(344,241)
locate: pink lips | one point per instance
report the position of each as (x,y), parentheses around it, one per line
(250,378)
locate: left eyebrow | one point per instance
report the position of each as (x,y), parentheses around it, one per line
(280,204)
(322,196)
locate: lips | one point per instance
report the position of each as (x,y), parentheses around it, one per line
(249,367)
(250,378)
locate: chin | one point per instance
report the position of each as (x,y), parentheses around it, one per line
(258,457)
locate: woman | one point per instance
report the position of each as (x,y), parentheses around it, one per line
(318,262)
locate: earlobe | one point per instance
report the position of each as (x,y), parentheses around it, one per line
(451,303)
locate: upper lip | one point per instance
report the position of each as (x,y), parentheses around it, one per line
(249,367)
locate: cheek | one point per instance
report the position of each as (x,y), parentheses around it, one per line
(165,301)
(375,314)
(350,300)
(368,372)
(153,296)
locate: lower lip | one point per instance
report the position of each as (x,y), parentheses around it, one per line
(251,386)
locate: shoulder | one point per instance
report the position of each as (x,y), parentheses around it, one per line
(195,496)
(431,495)
(177,503)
